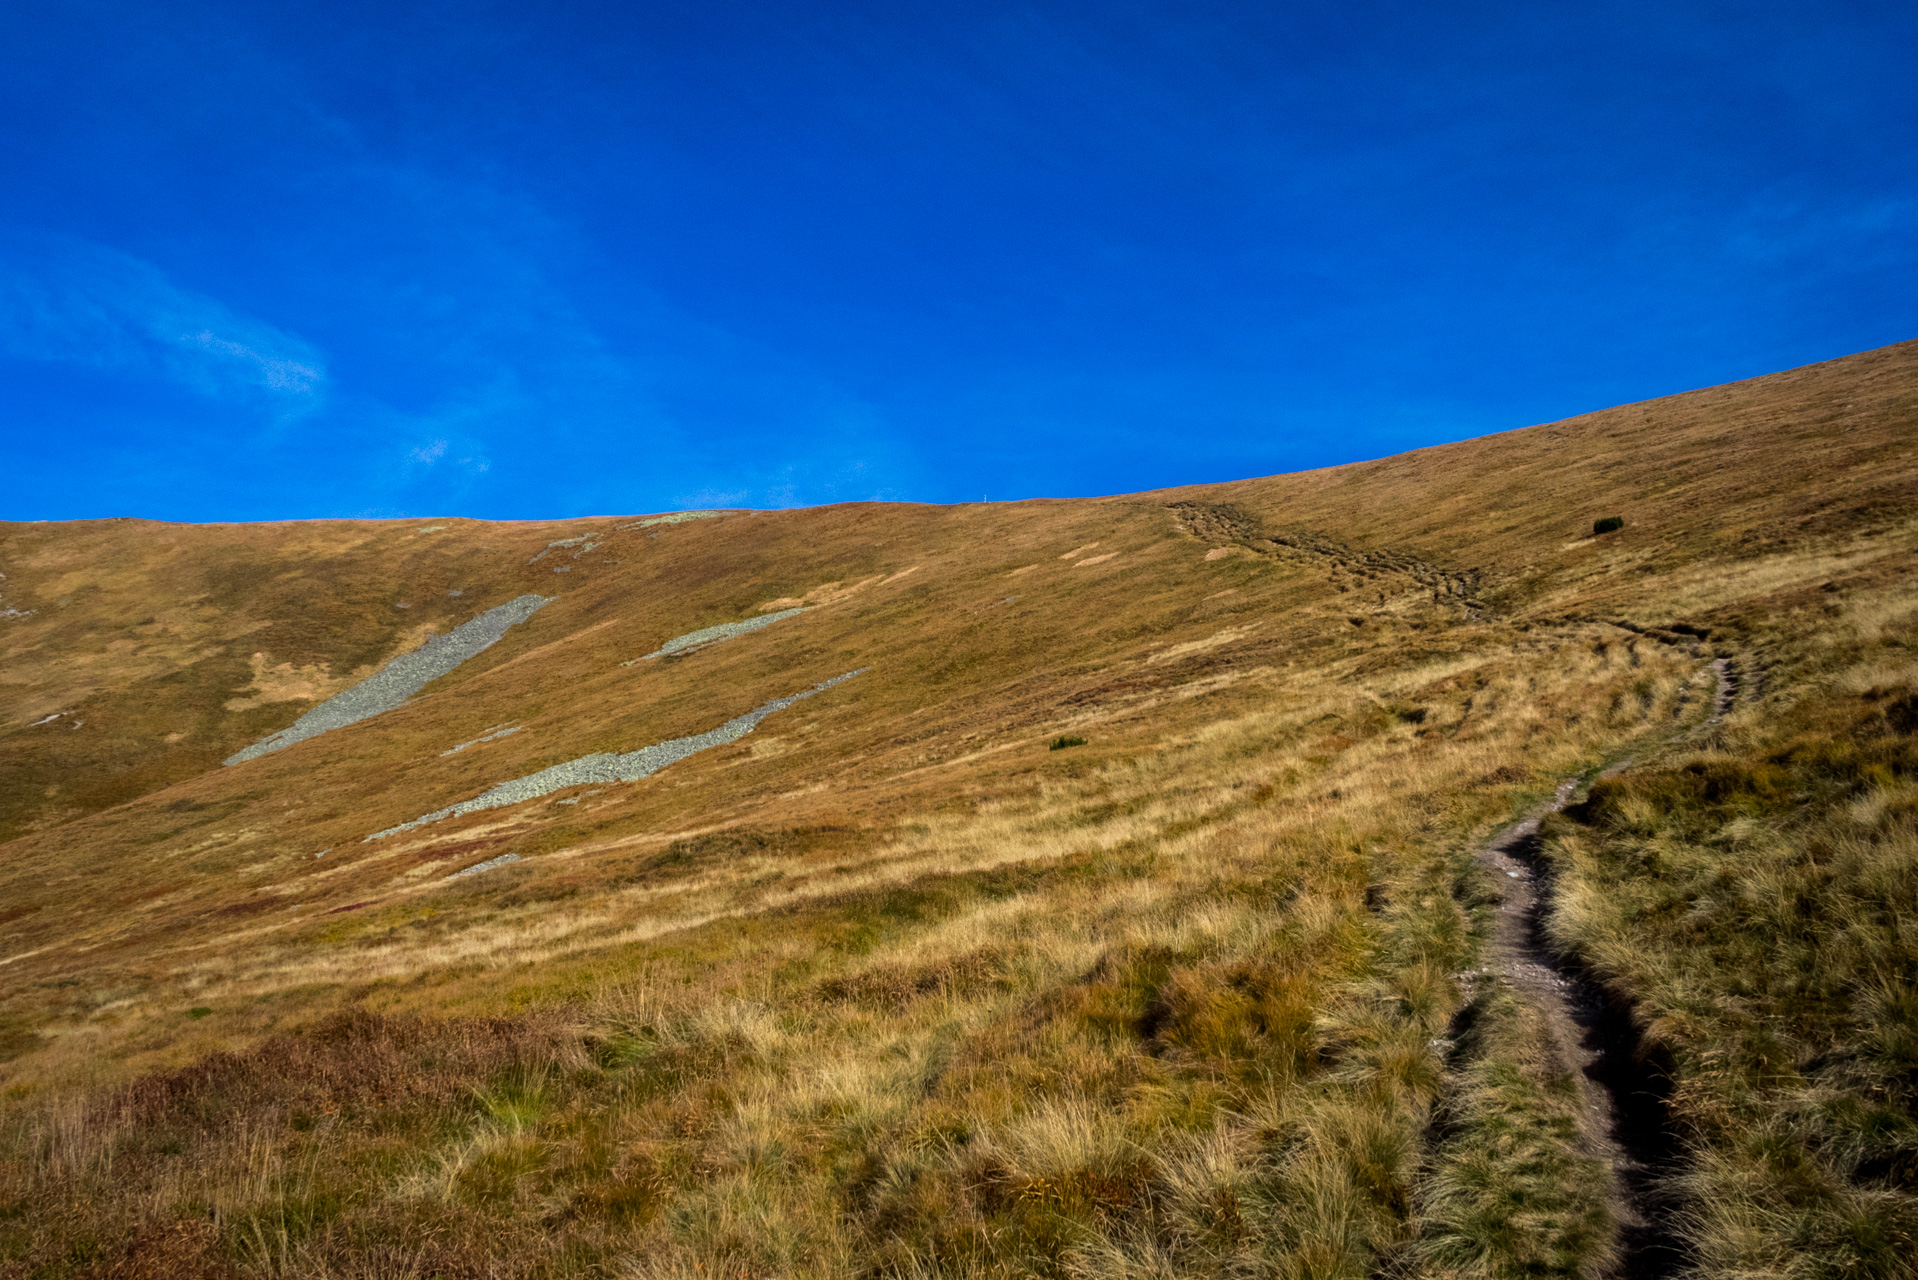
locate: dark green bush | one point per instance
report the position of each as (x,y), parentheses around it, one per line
(1608,524)
(1061,743)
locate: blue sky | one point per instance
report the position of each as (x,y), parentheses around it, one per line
(540,260)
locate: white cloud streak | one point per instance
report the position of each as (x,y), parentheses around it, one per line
(74,302)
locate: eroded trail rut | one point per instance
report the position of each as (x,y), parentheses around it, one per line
(1625,1091)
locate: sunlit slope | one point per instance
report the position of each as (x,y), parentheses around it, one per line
(143,875)
(978,634)
(171,646)
(1814,458)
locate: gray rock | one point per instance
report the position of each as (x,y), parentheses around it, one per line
(487,865)
(489,737)
(677,517)
(401,678)
(713,635)
(611,766)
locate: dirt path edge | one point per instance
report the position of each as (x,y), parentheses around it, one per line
(1624,1086)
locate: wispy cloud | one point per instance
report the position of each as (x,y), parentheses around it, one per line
(704,498)
(75,302)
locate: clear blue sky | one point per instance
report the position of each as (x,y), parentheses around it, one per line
(547,259)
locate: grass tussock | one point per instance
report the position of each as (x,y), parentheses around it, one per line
(255,1163)
(1145,1021)
(1756,899)
(1515,1190)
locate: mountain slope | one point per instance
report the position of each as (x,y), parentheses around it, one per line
(892,971)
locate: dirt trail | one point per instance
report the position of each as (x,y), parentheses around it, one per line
(1224,525)
(1625,1093)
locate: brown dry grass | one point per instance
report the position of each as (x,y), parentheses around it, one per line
(1755,896)
(908,993)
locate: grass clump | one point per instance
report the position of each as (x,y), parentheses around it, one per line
(1513,1191)
(1756,899)
(1063,741)
(310,1154)
(1195,1029)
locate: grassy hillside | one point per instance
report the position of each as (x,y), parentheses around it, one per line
(1755,898)
(901,983)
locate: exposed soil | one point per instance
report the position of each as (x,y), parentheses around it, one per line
(1727,689)
(1227,525)
(1626,1088)
(1625,1094)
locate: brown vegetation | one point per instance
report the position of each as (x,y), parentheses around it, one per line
(891,987)
(1755,898)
